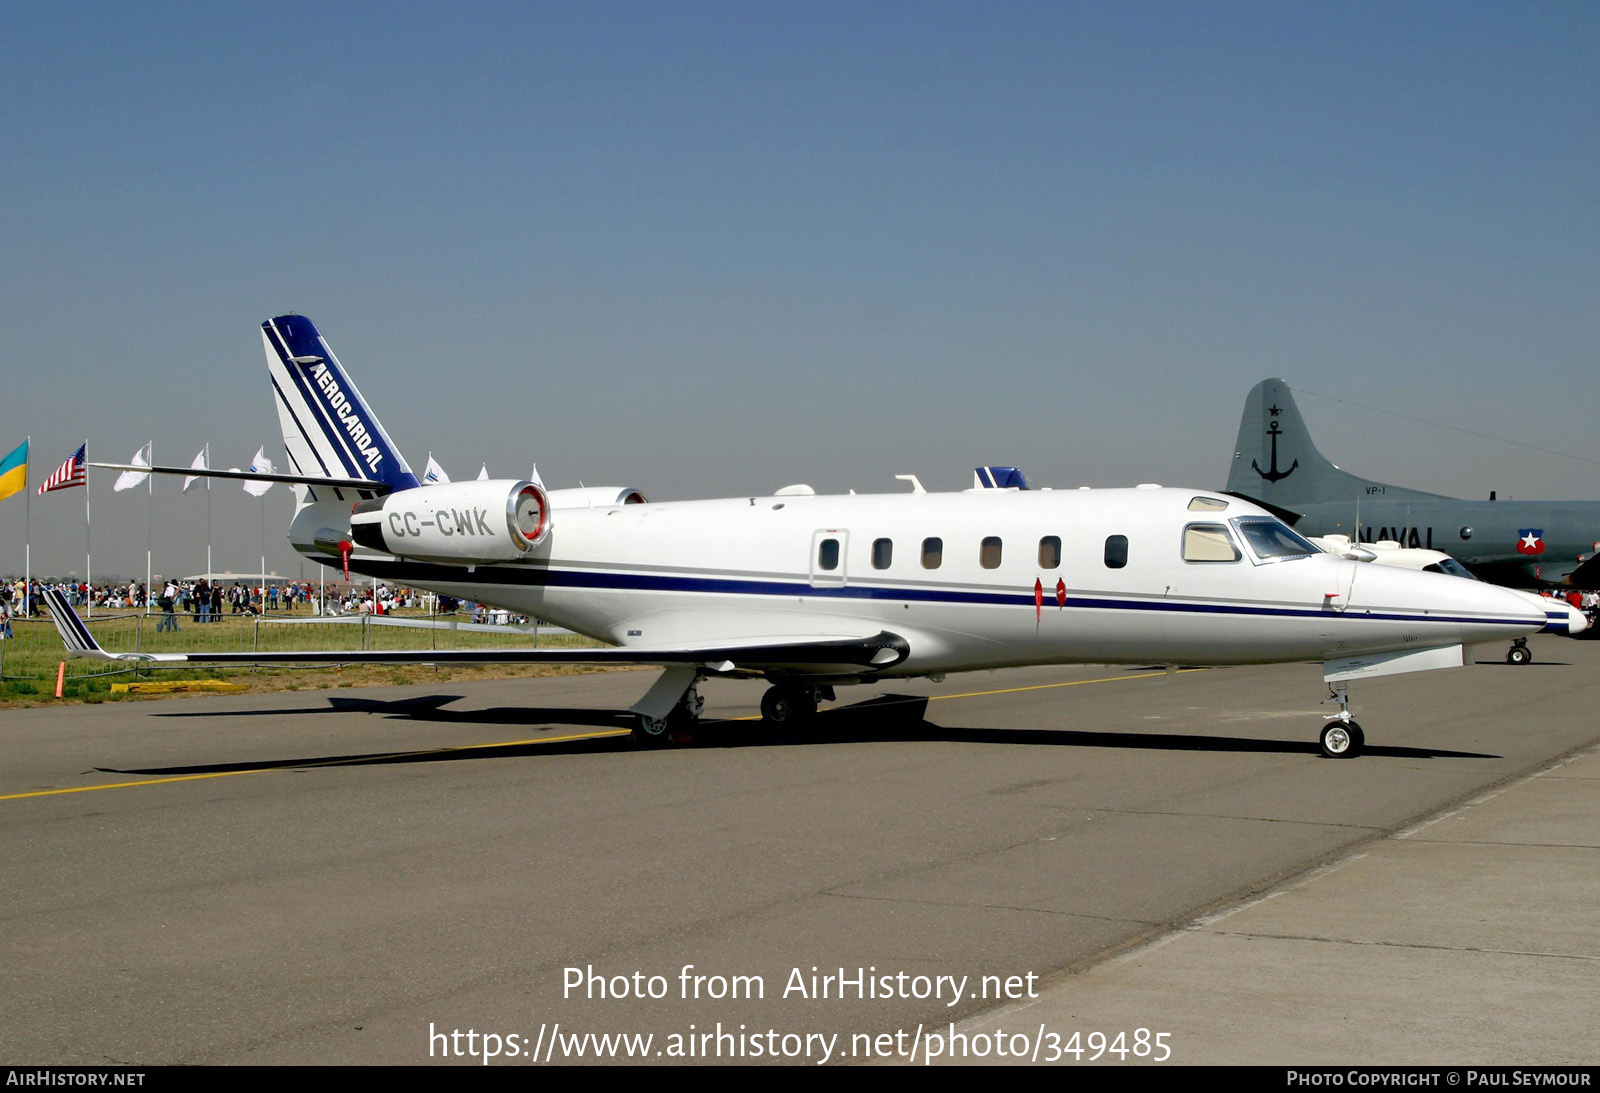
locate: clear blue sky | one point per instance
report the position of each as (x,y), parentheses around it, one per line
(712,249)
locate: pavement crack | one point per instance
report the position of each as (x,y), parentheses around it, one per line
(993,907)
(1498,842)
(1235,816)
(1420,945)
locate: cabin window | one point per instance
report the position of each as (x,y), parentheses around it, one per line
(932,553)
(989,552)
(1050,552)
(828,555)
(1208,543)
(882,553)
(1116,551)
(1206,504)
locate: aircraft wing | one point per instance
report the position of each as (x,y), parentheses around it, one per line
(1520,574)
(1587,574)
(810,654)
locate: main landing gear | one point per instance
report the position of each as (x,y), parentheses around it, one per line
(1341,737)
(792,704)
(1519,653)
(788,704)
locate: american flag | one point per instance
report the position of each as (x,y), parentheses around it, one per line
(69,474)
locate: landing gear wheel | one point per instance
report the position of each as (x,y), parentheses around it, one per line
(1342,740)
(783,705)
(679,722)
(654,731)
(1519,653)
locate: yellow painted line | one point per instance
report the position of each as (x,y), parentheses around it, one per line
(325,763)
(1008,690)
(1071,683)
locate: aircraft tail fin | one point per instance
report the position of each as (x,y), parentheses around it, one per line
(1275,461)
(328,428)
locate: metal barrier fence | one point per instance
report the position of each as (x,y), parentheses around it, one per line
(34,649)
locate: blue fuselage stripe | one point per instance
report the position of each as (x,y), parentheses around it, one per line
(430,573)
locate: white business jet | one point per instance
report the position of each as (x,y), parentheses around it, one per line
(812,592)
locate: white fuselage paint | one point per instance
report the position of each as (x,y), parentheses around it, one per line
(750,569)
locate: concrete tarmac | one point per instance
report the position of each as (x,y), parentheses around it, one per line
(369,876)
(1473,937)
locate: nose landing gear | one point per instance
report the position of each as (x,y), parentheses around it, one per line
(1341,737)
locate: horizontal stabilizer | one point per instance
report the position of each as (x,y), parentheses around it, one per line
(255,476)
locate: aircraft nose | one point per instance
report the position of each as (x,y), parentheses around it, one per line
(1455,609)
(1494,614)
(1564,618)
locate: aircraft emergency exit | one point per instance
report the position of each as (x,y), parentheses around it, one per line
(813,592)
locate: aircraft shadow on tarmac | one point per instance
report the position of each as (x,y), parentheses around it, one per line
(431,708)
(884,719)
(1530,664)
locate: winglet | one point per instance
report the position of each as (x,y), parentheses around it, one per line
(74,634)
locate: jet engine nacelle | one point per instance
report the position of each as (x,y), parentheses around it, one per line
(490,521)
(595,497)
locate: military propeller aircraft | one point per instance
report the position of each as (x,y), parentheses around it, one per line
(1513,543)
(812,592)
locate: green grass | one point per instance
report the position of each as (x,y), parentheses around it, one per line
(29,660)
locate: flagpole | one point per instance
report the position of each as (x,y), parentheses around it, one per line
(27,537)
(209,570)
(88,540)
(149,520)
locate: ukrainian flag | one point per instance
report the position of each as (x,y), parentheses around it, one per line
(14,472)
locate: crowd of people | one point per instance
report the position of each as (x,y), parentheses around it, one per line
(206,601)
(1587,602)
(197,598)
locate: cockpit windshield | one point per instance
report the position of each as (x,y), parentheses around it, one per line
(1271,539)
(1450,566)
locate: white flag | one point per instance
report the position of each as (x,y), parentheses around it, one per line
(483,474)
(129,479)
(263,464)
(200,464)
(434,473)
